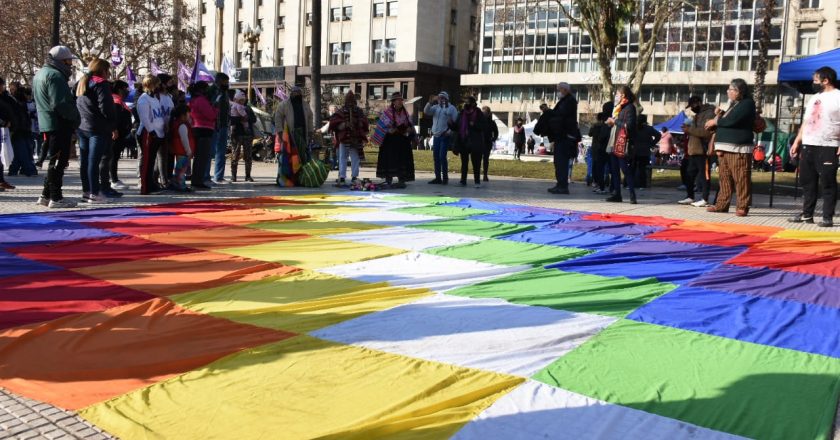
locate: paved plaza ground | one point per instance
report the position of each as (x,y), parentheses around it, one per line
(22,418)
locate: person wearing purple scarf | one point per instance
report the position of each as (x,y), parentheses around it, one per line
(471,140)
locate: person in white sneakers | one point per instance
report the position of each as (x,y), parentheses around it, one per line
(698,172)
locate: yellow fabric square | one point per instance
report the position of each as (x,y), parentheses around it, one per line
(313,253)
(328,198)
(314,227)
(317,209)
(299,303)
(809,235)
(306,388)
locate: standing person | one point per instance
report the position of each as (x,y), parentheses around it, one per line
(20,128)
(443,116)
(58,118)
(37,139)
(164,163)
(122,133)
(242,135)
(733,146)
(96,107)
(697,152)
(600,134)
(491,134)
(204,119)
(623,117)
(395,156)
(666,146)
(817,146)
(518,139)
(529,143)
(565,134)
(471,140)
(645,141)
(351,128)
(182,146)
(8,118)
(292,118)
(218,95)
(152,133)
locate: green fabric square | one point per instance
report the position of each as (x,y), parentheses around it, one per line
(576,292)
(512,253)
(474,227)
(738,387)
(445,211)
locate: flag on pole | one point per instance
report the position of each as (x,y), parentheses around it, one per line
(527,118)
(259,96)
(116,55)
(227,66)
(200,72)
(130,78)
(279,92)
(155,68)
(183,75)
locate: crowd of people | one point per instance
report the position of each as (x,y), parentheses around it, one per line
(179,136)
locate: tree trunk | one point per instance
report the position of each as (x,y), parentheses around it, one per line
(763,46)
(315,96)
(177,10)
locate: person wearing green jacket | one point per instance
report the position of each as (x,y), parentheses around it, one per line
(58,118)
(733,146)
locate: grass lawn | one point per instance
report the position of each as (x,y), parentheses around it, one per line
(545,170)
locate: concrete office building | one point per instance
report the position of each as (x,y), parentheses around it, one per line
(373,47)
(528,46)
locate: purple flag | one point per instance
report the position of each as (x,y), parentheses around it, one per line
(130,78)
(259,96)
(155,68)
(200,72)
(116,55)
(183,75)
(279,92)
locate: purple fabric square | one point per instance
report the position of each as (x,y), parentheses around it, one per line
(672,249)
(609,227)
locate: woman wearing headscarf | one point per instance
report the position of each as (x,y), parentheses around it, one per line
(733,145)
(471,140)
(395,156)
(99,118)
(623,123)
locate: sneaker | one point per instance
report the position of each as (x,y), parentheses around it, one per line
(209,183)
(43,201)
(826,223)
(112,194)
(801,218)
(249,179)
(98,199)
(61,204)
(700,203)
(85,198)
(221,181)
(118,185)
(435,182)
(686,201)
(6,185)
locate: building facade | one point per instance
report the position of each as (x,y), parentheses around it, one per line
(373,47)
(528,46)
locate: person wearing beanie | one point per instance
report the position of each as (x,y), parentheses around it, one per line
(350,125)
(395,156)
(242,134)
(443,116)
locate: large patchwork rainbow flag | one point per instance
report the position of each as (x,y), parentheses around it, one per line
(389,316)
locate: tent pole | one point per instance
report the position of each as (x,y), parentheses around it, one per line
(773,147)
(796,181)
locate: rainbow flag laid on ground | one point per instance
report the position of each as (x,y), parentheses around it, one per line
(388,316)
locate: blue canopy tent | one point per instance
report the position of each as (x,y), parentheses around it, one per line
(674,125)
(798,74)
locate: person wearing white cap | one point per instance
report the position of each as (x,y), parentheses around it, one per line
(242,135)
(443,116)
(58,118)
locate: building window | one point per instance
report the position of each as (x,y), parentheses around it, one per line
(203,8)
(238,4)
(279,60)
(309,19)
(259,2)
(452,56)
(376,51)
(453,17)
(390,50)
(473,23)
(471,62)
(393,8)
(307,56)
(335,14)
(335,53)
(204,32)
(238,59)
(281,22)
(258,59)
(807,44)
(239,27)
(347,13)
(376,92)
(260,23)
(809,4)
(345,53)
(379,9)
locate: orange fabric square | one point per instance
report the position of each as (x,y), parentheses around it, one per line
(185,272)
(155,225)
(265,201)
(826,265)
(730,228)
(706,237)
(221,238)
(193,207)
(246,216)
(634,219)
(829,248)
(83,359)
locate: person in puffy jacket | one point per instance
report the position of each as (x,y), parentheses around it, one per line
(204,116)
(98,121)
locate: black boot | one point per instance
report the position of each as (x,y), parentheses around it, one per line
(615,198)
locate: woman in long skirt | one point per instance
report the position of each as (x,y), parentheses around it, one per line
(396,160)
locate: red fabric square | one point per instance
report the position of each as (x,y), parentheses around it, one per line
(156,225)
(98,252)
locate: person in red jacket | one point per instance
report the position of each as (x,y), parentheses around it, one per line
(183,146)
(204,123)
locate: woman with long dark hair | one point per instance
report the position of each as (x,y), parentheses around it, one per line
(395,156)
(204,122)
(471,140)
(96,107)
(624,124)
(733,145)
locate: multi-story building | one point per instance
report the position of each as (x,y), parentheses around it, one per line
(374,47)
(528,46)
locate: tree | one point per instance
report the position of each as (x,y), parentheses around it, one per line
(767,14)
(135,25)
(650,18)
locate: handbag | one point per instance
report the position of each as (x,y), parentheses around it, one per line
(621,147)
(7,154)
(379,133)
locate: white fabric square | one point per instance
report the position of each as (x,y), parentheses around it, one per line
(411,239)
(414,269)
(536,410)
(489,334)
(386,218)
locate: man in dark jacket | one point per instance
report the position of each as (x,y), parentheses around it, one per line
(8,120)
(564,134)
(645,141)
(600,134)
(218,94)
(697,169)
(491,134)
(122,133)
(58,119)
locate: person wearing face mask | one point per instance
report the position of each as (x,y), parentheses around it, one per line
(564,133)
(218,95)
(58,118)
(816,145)
(697,169)
(443,116)
(733,146)
(623,116)
(294,117)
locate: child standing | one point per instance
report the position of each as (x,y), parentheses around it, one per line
(182,147)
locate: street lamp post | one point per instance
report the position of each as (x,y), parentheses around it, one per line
(54,40)
(252,37)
